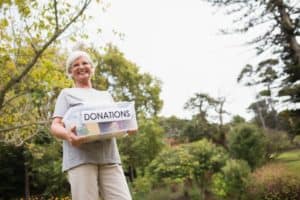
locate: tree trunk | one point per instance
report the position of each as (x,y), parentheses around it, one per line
(288,29)
(131,173)
(27,187)
(260,116)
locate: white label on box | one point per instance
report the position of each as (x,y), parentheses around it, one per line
(107,115)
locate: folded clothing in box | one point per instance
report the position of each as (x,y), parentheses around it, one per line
(97,122)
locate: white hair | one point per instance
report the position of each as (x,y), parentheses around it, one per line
(74,56)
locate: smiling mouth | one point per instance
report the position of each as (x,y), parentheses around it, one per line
(82,72)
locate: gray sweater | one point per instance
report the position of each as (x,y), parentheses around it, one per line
(99,152)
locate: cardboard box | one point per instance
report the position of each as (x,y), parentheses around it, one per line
(99,122)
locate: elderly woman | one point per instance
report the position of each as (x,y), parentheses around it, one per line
(94,169)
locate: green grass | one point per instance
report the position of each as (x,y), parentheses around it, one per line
(291,159)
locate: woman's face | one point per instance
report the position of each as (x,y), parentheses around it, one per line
(81,70)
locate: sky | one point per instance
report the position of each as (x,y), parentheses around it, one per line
(179,42)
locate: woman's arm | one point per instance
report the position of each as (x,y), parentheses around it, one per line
(59,131)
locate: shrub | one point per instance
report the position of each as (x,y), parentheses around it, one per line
(208,158)
(231,182)
(172,166)
(247,142)
(141,186)
(274,182)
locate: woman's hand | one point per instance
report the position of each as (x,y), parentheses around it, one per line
(131,132)
(58,129)
(74,139)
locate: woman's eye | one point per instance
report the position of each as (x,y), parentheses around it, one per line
(83,64)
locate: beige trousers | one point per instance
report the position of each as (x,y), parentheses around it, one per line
(88,181)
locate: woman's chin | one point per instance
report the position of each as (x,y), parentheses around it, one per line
(83,79)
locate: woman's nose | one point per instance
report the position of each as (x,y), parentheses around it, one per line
(81,65)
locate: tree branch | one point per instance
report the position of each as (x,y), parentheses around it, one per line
(31,39)
(24,126)
(22,142)
(56,17)
(26,139)
(14,97)
(15,80)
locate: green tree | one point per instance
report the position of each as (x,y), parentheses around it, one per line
(28,29)
(264,107)
(198,128)
(277,29)
(247,142)
(139,150)
(173,127)
(30,57)
(29,109)
(237,119)
(231,182)
(125,81)
(290,122)
(171,167)
(206,107)
(208,159)
(200,103)
(26,114)
(264,115)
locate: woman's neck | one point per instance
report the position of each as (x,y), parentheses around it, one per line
(83,84)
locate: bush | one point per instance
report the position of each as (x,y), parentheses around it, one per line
(186,165)
(231,182)
(141,186)
(274,182)
(171,167)
(208,157)
(247,142)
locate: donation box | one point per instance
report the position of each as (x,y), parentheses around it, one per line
(98,122)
